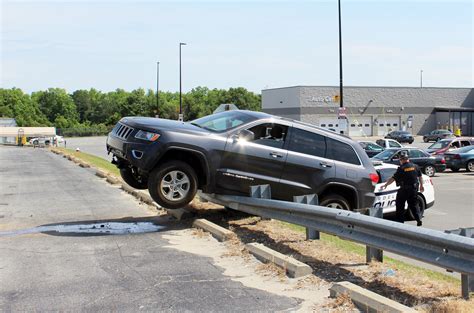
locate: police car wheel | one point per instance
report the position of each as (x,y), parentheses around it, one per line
(470,166)
(336,202)
(425,139)
(421,207)
(429,170)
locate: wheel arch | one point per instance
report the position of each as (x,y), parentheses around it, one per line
(195,158)
(344,190)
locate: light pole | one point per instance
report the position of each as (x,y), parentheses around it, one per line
(180,84)
(157,89)
(421,78)
(341,116)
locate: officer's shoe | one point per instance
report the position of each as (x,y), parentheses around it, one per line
(419,223)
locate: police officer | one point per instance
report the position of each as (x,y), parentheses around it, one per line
(408,177)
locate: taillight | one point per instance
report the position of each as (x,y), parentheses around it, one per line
(457,156)
(374,178)
(443,161)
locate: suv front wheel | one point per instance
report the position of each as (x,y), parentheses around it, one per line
(173,185)
(335,201)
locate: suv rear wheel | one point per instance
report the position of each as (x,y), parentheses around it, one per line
(173,185)
(335,201)
(135,181)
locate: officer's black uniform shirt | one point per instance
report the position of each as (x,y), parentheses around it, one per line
(407,175)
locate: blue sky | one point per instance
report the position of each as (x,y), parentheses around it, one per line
(253,44)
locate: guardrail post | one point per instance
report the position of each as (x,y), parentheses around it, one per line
(311,199)
(370,252)
(261,192)
(467,281)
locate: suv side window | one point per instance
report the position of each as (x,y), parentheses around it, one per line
(340,151)
(306,142)
(465,143)
(269,134)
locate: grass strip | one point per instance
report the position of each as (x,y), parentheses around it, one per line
(359,249)
(93,160)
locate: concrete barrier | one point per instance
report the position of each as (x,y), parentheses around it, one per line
(367,301)
(179,214)
(112,180)
(220,233)
(293,267)
(101,173)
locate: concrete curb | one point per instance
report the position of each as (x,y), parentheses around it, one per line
(100,173)
(127,188)
(179,214)
(216,231)
(293,268)
(112,180)
(143,196)
(366,300)
(83,164)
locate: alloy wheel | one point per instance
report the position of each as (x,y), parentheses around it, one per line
(175,185)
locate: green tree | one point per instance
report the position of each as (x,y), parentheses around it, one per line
(16,104)
(56,102)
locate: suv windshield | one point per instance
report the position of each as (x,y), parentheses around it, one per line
(223,121)
(439,145)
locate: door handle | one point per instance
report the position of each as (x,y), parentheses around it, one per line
(276,155)
(325,165)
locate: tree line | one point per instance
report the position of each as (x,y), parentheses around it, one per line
(92,112)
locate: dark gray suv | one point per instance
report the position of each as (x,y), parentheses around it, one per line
(228,152)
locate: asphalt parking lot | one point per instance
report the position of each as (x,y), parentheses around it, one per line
(69,240)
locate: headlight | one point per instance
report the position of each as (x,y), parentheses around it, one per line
(148,136)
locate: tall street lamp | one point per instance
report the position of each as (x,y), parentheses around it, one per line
(342,117)
(180,84)
(421,78)
(157,89)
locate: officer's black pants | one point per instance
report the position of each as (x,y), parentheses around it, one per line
(407,195)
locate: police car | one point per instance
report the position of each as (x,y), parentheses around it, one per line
(386,198)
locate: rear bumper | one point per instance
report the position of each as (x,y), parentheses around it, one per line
(440,167)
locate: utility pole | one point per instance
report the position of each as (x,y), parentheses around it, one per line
(341,115)
(180,85)
(421,78)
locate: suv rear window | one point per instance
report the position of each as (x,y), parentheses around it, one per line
(340,151)
(308,143)
(385,174)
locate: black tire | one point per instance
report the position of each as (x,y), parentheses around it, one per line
(470,166)
(133,180)
(421,207)
(425,139)
(35,142)
(454,169)
(429,170)
(165,195)
(335,201)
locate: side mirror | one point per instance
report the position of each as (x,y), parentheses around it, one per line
(246,135)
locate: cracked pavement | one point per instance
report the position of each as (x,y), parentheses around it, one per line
(68,269)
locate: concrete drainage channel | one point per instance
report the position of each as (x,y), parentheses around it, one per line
(364,299)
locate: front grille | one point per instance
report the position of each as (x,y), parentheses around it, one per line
(122,131)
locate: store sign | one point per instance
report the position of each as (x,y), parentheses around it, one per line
(324,99)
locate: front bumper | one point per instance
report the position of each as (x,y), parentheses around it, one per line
(136,152)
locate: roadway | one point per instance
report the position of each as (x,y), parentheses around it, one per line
(69,241)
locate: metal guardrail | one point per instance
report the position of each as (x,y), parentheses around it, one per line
(449,251)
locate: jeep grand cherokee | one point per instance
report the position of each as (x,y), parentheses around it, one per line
(226,153)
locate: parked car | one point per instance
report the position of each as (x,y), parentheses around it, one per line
(385,199)
(388,143)
(371,148)
(460,158)
(40,141)
(428,164)
(445,145)
(400,136)
(228,152)
(437,135)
